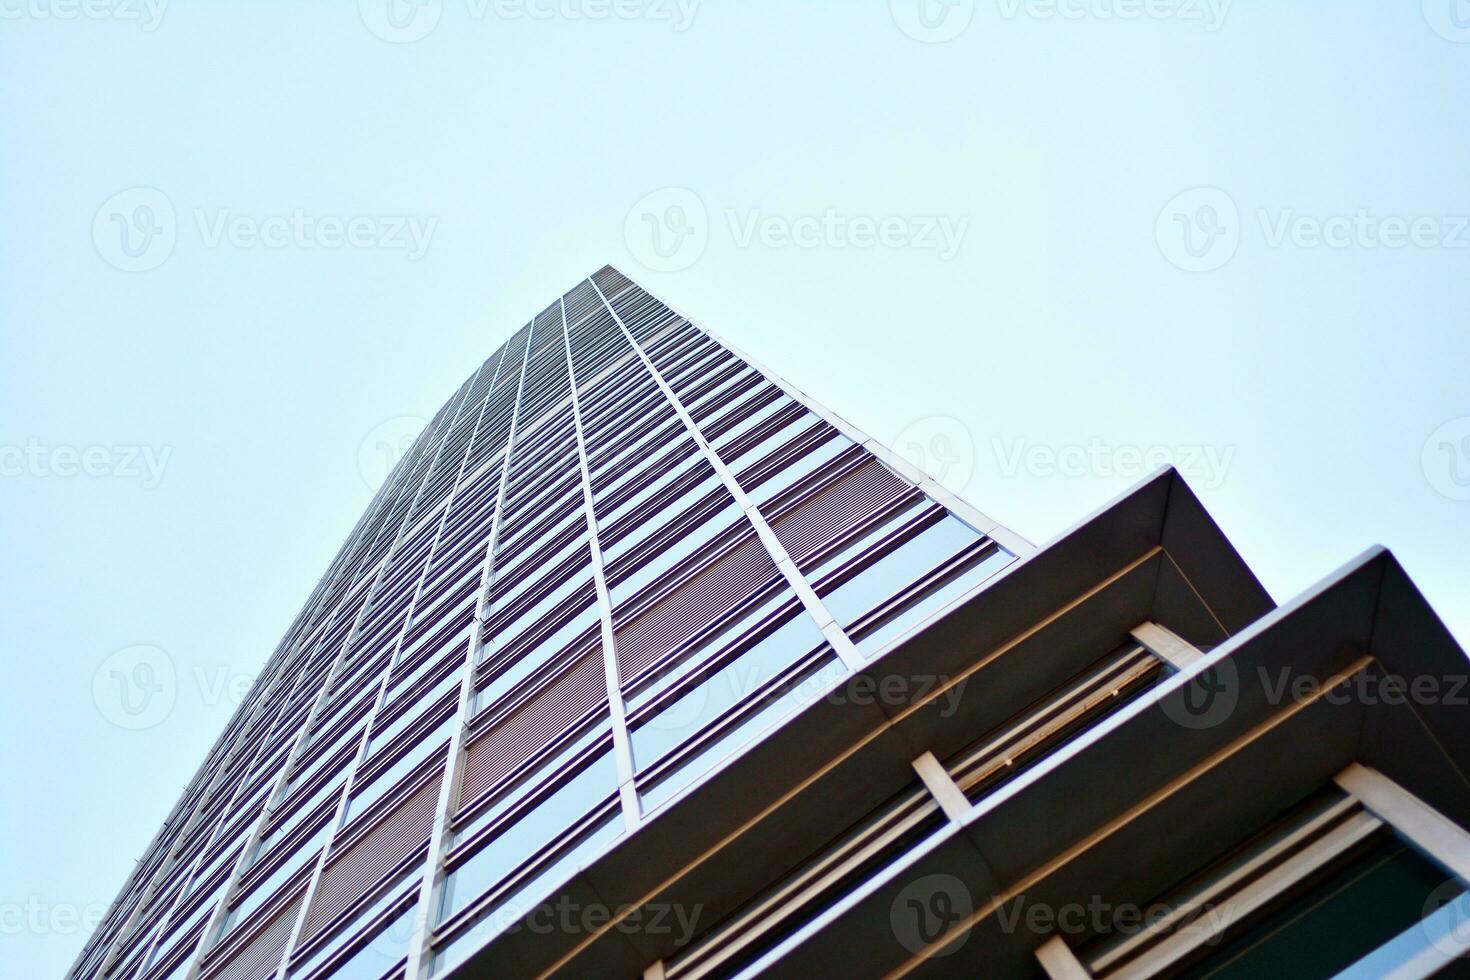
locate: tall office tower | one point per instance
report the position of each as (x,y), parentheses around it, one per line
(641,664)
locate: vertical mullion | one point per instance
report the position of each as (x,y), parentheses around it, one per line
(841,644)
(418,942)
(622,748)
(202,946)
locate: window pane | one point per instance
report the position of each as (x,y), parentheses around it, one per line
(723,689)
(529,834)
(373,959)
(600,774)
(303,855)
(523,899)
(431,743)
(536,657)
(898,569)
(680,548)
(932,602)
(809,462)
(749,727)
(667,674)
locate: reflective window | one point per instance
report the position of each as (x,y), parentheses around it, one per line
(772,442)
(929,602)
(528,834)
(684,545)
(300,858)
(792,472)
(899,568)
(745,425)
(322,756)
(595,778)
(677,720)
(675,474)
(536,657)
(330,789)
(523,899)
(743,731)
(432,743)
(664,516)
(504,634)
(670,670)
(373,956)
(864,540)
(409,718)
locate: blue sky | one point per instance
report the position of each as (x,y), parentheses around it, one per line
(1039,245)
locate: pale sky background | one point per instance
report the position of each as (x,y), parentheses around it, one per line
(1301,386)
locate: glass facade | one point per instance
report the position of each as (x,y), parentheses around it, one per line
(612,561)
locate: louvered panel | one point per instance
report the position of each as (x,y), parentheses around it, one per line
(512,740)
(261,955)
(836,508)
(676,617)
(350,875)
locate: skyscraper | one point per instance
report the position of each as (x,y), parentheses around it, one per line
(642,664)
